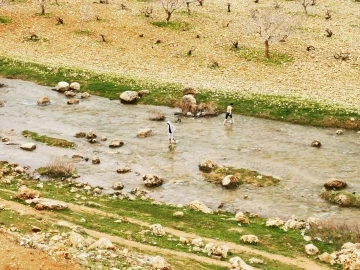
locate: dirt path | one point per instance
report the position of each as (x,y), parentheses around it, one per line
(300,262)
(15,257)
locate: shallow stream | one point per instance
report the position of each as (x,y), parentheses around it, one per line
(272,148)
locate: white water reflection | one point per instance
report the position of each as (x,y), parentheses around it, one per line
(269,147)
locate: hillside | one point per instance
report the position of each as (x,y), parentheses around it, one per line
(143,47)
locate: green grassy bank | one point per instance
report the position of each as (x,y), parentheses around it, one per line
(288,109)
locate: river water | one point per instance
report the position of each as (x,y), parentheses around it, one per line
(272,148)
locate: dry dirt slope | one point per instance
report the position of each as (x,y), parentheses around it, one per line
(132,49)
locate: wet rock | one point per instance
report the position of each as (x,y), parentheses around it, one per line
(24,193)
(242,218)
(62,86)
(310,249)
(146,132)
(91,135)
(42,101)
(77,156)
(335,184)
(129,97)
(5,139)
(207,166)
(85,95)
(124,169)
(157,229)
(80,135)
(118,186)
(73,101)
(189,91)
(92,141)
(102,243)
(28,146)
(69,94)
(199,206)
(274,222)
(249,238)
(95,160)
(1,103)
(339,132)
(103,139)
(116,143)
(238,264)
(316,143)
(230,181)
(151,180)
(74,86)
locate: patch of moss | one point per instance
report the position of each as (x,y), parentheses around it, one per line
(48,140)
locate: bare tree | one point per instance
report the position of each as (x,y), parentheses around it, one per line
(148,12)
(201,2)
(306,3)
(42,6)
(272,25)
(170,6)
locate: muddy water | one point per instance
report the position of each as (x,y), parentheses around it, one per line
(269,147)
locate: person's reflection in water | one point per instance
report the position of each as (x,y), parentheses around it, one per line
(229,130)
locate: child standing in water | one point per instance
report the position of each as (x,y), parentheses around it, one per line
(229,113)
(171,131)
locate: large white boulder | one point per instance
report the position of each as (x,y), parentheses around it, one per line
(129,96)
(62,86)
(199,206)
(28,146)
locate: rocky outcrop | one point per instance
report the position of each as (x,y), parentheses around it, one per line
(199,206)
(28,146)
(310,249)
(157,229)
(116,143)
(151,180)
(238,264)
(274,222)
(102,243)
(207,166)
(24,193)
(43,101)
(230,181)
(294,223)
(145,132)
(47,204)
(335,184)
(249,238)
(129,97)
(241,218)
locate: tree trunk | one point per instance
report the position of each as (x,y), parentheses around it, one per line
(168,16)
(267,54)
(42,9)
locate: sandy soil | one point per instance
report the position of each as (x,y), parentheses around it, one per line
(131,46)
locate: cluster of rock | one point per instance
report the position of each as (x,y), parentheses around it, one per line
(69,90)
(97,253)
(332,193)
(190,108)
